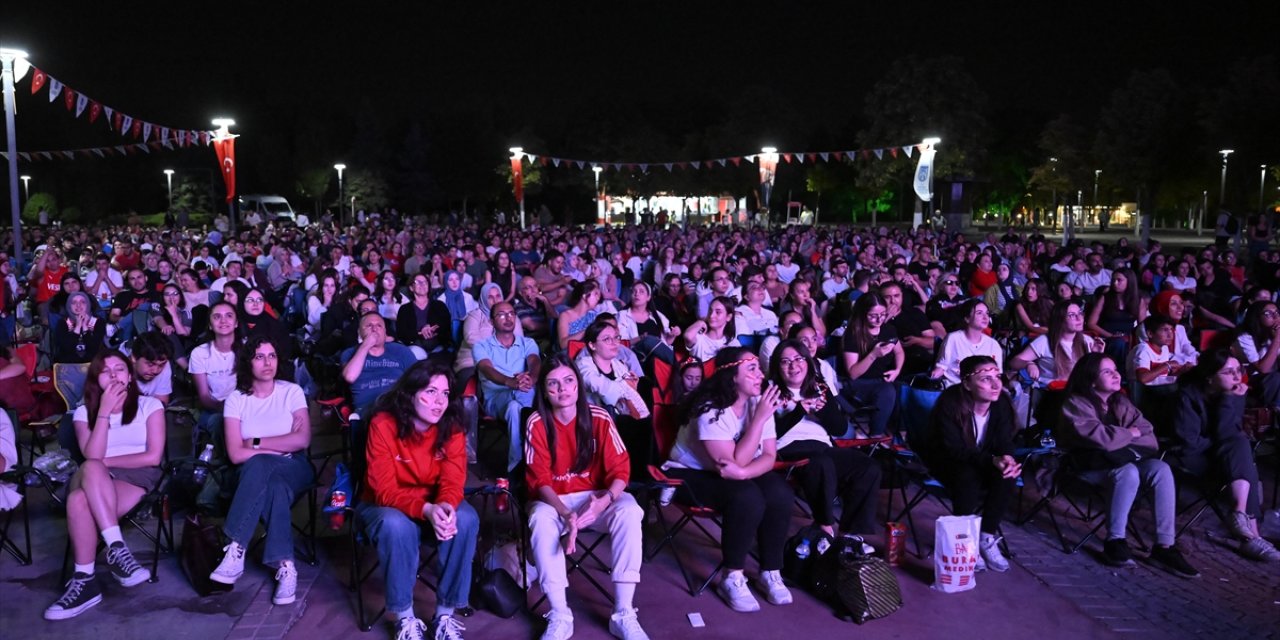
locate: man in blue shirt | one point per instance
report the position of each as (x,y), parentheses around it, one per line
(373,366)
(508,366)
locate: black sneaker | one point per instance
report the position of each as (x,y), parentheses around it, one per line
(124,568)
(82,594)
(1117,553)
(1173,562)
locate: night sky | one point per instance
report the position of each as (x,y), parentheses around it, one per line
(548,69)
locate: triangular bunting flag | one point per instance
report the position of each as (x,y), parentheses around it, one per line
(24,155)
(787,157)
(668,165)
(838,154)
(908,150)
(682,165)
(164,136)
(866,154)
(145,148)
(82,101)
(893,151)
(136,129)
(95,110)
(146,131)
(632,166)
(204,138)
(723,160)
(737,160)
(98,152)
(120,150)
(68,98)
(532,158)
(556,162)
(155,145)
(823,155)
(879,154)
(580,163)
(70,155)
(126,123)
(55,89)
(46,155)
(544,160)
(617,167)
(117,122)
(38,79)
(644,168)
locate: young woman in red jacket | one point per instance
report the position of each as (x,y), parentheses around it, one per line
(417,467)
(577,468)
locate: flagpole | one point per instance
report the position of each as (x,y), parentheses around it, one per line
(224,134)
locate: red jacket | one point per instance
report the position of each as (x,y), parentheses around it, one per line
(610,462)
(406,474)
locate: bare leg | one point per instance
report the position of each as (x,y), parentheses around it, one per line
(1240,494)
(80,525)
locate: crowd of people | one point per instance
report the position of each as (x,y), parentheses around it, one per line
(775,344)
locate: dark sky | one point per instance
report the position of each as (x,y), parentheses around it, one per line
(534,62)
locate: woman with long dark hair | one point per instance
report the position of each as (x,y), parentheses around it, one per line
(1116,313)
(1208,429)
(724,455)
(267,428)
(970,341)
(388,296)
(581,313)
(122,437)
(649,331)
(872,358)
(577,470)
(1033,308)
(77,337)
(417,466)
(808,419)
(1052,356)
(1115,446)
(970,450)
(256,320)
(1258,344)
(718,330)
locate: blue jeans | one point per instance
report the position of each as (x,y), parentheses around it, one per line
(1125,481)
(265,491)
(398,537)
(508,403)
(877,393)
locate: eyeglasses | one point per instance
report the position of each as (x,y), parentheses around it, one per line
(1270,313)
(504,314)
(949,283)
(787,363)
(608,339)
(254,300)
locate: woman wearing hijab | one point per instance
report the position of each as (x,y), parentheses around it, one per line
(1170,304)
(78,335)
(458,301)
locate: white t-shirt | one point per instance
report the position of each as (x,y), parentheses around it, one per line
(1252,352)
(265,417)
(100,290)
(980,427)
(751,322)
(1180,284)
(161,385)
(690,453)
(218,366)
(1145,356)
(956,347)
(832,288)
(787,273)
(125,439)
(705,348)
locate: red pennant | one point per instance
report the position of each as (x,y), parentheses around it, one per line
(812,157)
(682,165)
(787,157)
(839,155)
(38,79)
(866,154)
(117,121)
(544,160)
(136,130)
(95,110)
(737,160)
(69,97)
(893,151)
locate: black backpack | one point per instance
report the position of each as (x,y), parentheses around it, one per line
(802,553)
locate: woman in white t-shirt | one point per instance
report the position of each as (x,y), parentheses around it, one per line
(969,341)
(268,430)
(1258,344)
(708,336)
(724,455)
(121,436)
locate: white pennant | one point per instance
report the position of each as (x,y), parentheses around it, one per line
(697,164)
(644,168)
(823,155)
(125,125)
(110,113)
(24,155)
(556,162)
(146,131)
(668,166)
(120,149)
(82,101)
(164,135)
(70,155)
(143,148)
(580,163)
(722,161)
(909,149)
(879,153)
(98,152)
(800,158)
(55,89)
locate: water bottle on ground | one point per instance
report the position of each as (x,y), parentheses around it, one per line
(201,472)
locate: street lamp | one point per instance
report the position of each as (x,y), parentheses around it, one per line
(768,170)
(26,187)
(1102,221)
(599,200)
(1222,185)
(13,66)
(168,177)
(517,179)
(1262,183)
(223,141)
(341,194)
(1053,215)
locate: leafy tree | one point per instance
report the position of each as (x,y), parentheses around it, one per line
(313,184)
(369,189)
(191,194)
(37,201)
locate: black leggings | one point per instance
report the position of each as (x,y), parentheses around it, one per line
(759,509)
(831,470)
(975,487)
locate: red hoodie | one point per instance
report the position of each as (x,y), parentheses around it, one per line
(406,474)
(610,461)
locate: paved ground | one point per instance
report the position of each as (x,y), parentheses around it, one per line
(1047,595)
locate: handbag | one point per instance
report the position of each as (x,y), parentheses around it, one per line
(200,554)
(497,592)
(859,586)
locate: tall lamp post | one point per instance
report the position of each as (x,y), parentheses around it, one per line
(1222,184)
(26,187)
(168,178)
(599,199)
(1102,215)
(13,66)
(1262,183)
(341,194)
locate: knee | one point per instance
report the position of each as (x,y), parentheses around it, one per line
(747,502)
(885,393)
(629,510)
(543,519)
(778,494)
(393,526)
(468,520)
(1126,475)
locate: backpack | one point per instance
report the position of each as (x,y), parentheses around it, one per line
(860,587)
(802,553)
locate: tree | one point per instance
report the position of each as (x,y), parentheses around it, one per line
(369,189)
(415,186)
(313,184)
(192,195)
(37,201)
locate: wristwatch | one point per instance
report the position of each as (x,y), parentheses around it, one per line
(257,443)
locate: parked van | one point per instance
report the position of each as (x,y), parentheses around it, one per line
(271,207)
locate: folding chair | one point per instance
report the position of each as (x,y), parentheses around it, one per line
(751,342)
(1069,477)
(575,347)
(68,381)
(18,475)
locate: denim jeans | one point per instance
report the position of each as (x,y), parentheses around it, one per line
(1125,481)
(508,403)
(877,393)
(265,491)
(398,537)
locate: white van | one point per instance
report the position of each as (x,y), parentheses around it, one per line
(271,207)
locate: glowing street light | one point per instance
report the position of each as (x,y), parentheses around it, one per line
(1222,185)
(168,177)
(599,197)
(1262,183)
(13,66)
(26,187)
(341,194)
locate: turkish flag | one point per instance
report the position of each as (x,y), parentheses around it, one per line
(136,129)
(517,178)
(37,80)
(225,147)
(69,97)
(95,110)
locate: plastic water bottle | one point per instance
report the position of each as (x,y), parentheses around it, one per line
(823,545)
(1047,441)
(503,486)
(202,465)
(802,550)
(665,496)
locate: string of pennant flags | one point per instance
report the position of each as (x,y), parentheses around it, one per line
(811,157)
(79,104)
(95,152)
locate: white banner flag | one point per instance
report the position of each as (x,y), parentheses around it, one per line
(924,175)
(82,101)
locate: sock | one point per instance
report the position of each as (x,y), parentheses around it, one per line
(407,613)
(735,574)
(84,568)
(442,610)
(112,535)
(559,604)
(626,592)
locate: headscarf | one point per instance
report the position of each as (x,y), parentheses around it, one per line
(88,304)
(484,298)
(1160,303)
(453,297)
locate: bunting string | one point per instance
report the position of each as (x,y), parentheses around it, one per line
(799,157)
(98,152)
(78,104)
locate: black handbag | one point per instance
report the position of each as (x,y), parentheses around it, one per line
(200,554)
(497,592)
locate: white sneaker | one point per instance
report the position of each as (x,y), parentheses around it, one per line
(1259,549)
(626,625)
(559,627)
(733,588)
(410,629)
(1241,526)
(446,628)
(286,583)
(232,565)
(775,591)
(989,550)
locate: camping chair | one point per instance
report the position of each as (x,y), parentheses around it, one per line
(19,475)
(68,381)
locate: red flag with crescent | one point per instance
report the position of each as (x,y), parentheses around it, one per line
(517,178)
(225,147)
(69,98)
(37,80)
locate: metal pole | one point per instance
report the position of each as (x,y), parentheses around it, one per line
(10,130)
(1262,183)
(1204,206)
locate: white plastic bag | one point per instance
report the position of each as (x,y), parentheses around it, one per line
(506,556)
(955,553)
